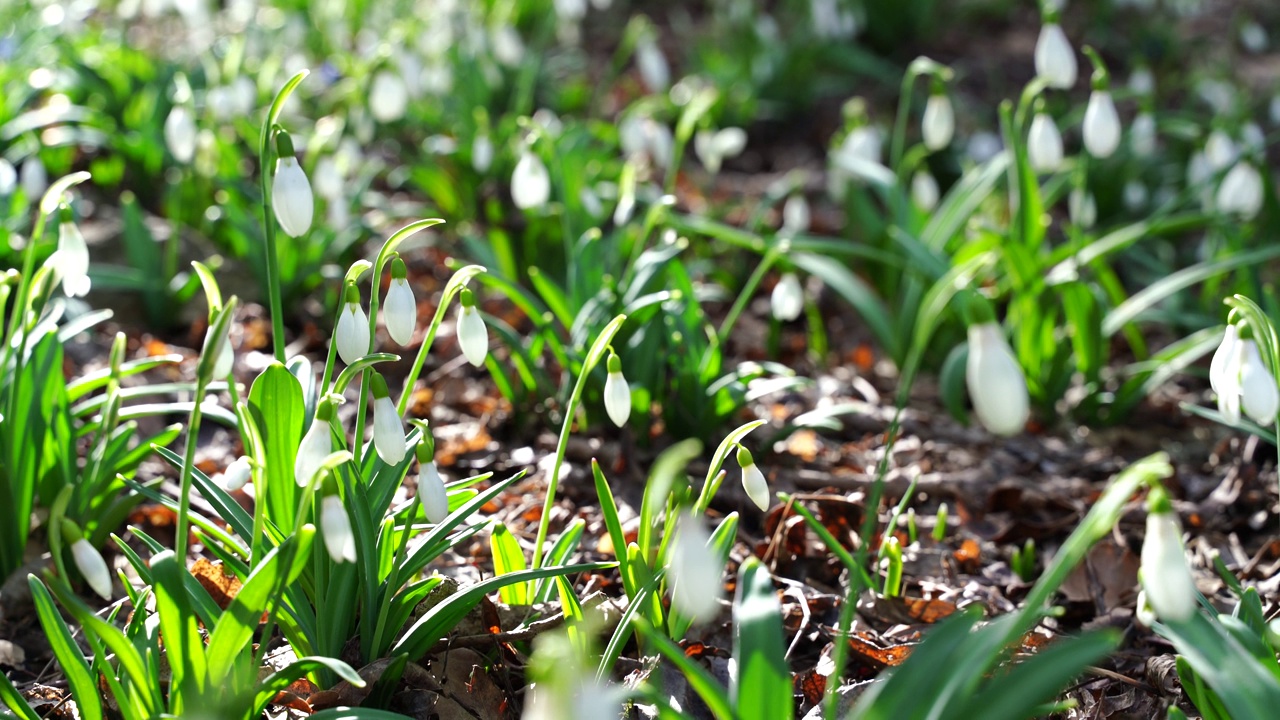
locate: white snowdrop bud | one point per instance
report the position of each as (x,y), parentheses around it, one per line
(226,356)
(1142,81)
(473,336)
(1142,135)
(388,97)
(617,393)
(1253,37)
(795,215)
(1241,191)
(996,384)
(694,571)
(863,143)
(328,178)
(924,190)
(482,153)
(713,147)
(1220,150)
(1082,208)
(1166,579)
(388,430)
(180,134)
(291,191)
(753,481)
(8,178)
(1055,59)
(1044,144)
(335,526)
(316,445)
(1259,395)
(237,474)
(787,300)
(72,263)
(400,310)
(939,122)
(530,182)
(435,500)
(652,64)
(352,333)
(91,565)
(34,178)
(1101,125)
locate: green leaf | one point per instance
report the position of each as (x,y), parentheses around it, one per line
(13,700)
(183,644)
(762,687)
(508,558)
(81,681)
(609,509)
(700,680)
(276,405)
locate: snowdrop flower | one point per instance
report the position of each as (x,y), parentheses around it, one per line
(335,526)
(787,300)
(87,559)
(1101,125)
(1082,208)
(617,394)
(939,122)
(388,430)
(530,182)
(508,48)
(1252,138)
(1044,144)
(431,492)
(1220,150)
(400,310)
(34,178)
(924,190)
(226,357)
(1055,59)
(983,146)
(316,445)
(291,191)
(73,260)
(1142,135)
(996,384)
(1142,81)
(694,570)
(753,480)
(180,134)
(1135,195)
(795,215)
(329,180)
(237,474)
(713,147)
(388,97)
(1241,191)
(1258,392)
(482,153)
(863,143)
(1224,377)
(473,336)
(8,178)
(1166,579)
(352,333)
(652,64)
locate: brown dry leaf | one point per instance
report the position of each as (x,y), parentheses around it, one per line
(222,587)
(154,348)
(420,402)
(153,515)
(863,357)
(968,556)
(448,451)
(926,611)
(605,545)
(804,445)
(810,685)
(289,700)
(878,657)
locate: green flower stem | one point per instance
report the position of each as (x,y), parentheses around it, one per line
(188,464)
(748,290)
(594,356)
(266,157)
(920,66)
(455,285)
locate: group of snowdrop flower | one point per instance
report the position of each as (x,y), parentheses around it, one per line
(1241,379)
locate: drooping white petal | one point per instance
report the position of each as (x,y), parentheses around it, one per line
(787,300)
(508,48)
(400,311)
(291,197)
(315,447)
(757,487)
(388,431)
(180,134)
(996,384)
(73,260)
(1258,392)
(1241,191)
(1142,135)
(388,97)
(530,182)
(1165,576)
(1055,58)
(694,571)
(335,526)
(352,333)
(1044,144)
(1220,150)
(617,398)
(1228,388)
(938,125)
(91,565)
(1082,208)
(435,501)
(924,190)
(863,143)
(1218,366)
(237,474)
(795,215)
(1101,125)
(482,153)
(473,336)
